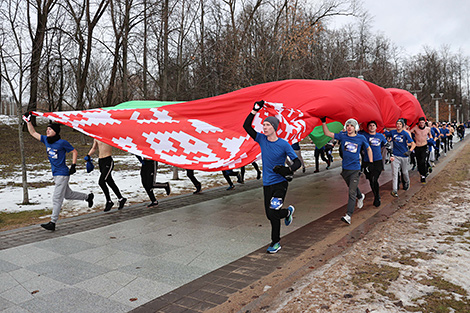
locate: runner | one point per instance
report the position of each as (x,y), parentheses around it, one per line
(274,151)
(227,174)
(242,172)
(320,153)
(148,175)
(106,165)
(437,138)
(400,155)
(421,135)
(351,144)
(375,168)
(57,149)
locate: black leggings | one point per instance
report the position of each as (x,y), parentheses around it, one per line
(190,174)
(148,175)
(242,170)
(227,175)
(320,153)
(278,190)
(421,158)
(106,167)
(375,169)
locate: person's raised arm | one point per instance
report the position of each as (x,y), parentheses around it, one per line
(31,130)
(249,119)
(326,131)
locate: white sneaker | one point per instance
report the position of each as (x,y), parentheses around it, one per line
(346,219)
(360,202)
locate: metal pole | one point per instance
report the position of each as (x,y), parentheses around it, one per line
(437,110)
(449,113)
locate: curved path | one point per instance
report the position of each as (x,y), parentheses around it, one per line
(191,254)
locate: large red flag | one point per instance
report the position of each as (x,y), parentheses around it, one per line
(208,134)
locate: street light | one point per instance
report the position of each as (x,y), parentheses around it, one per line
(415,92)
(458,106)
(437,104)
(450,108)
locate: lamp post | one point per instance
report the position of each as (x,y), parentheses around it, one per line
(450,109)
(415,92)
(457,107)
(437,104)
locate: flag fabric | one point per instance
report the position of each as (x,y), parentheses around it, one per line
(207,134)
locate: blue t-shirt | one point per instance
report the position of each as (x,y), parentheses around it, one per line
(434,132)
(351,147)
(444,132)
(56,153)
(376,142)
(272,154)
(400,141)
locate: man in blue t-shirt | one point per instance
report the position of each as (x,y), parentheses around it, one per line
(274,151)
(400,155)
(374,168)
(351,144)
(56,151)
(444,137)
(437,139)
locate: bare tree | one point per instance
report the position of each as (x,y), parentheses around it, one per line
(39,9)
(14,62)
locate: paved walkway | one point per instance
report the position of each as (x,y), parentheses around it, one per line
(188,255)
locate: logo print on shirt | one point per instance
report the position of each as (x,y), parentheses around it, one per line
(52,153)
(350,147)
(374,141)
(398,138)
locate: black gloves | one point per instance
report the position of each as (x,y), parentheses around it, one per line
(407,153)
(323,119)
(284,171)
(72,169)
(27,117)
(258,105)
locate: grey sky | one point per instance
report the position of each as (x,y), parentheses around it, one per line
(411,24)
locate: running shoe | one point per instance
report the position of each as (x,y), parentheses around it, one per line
(121,202)
(231,187)
(51,226)
(346,219)
(394,193)
(153,204)
(360,202)
(109,205)
(290,217)
(274,248)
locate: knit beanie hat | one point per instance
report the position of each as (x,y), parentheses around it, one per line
(55,127)
(273,121)
(402,121)
(352,122)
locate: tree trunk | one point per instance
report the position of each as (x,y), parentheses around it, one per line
(144,63)
(164,78)
(37,44)
(24,174)
(175,173)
